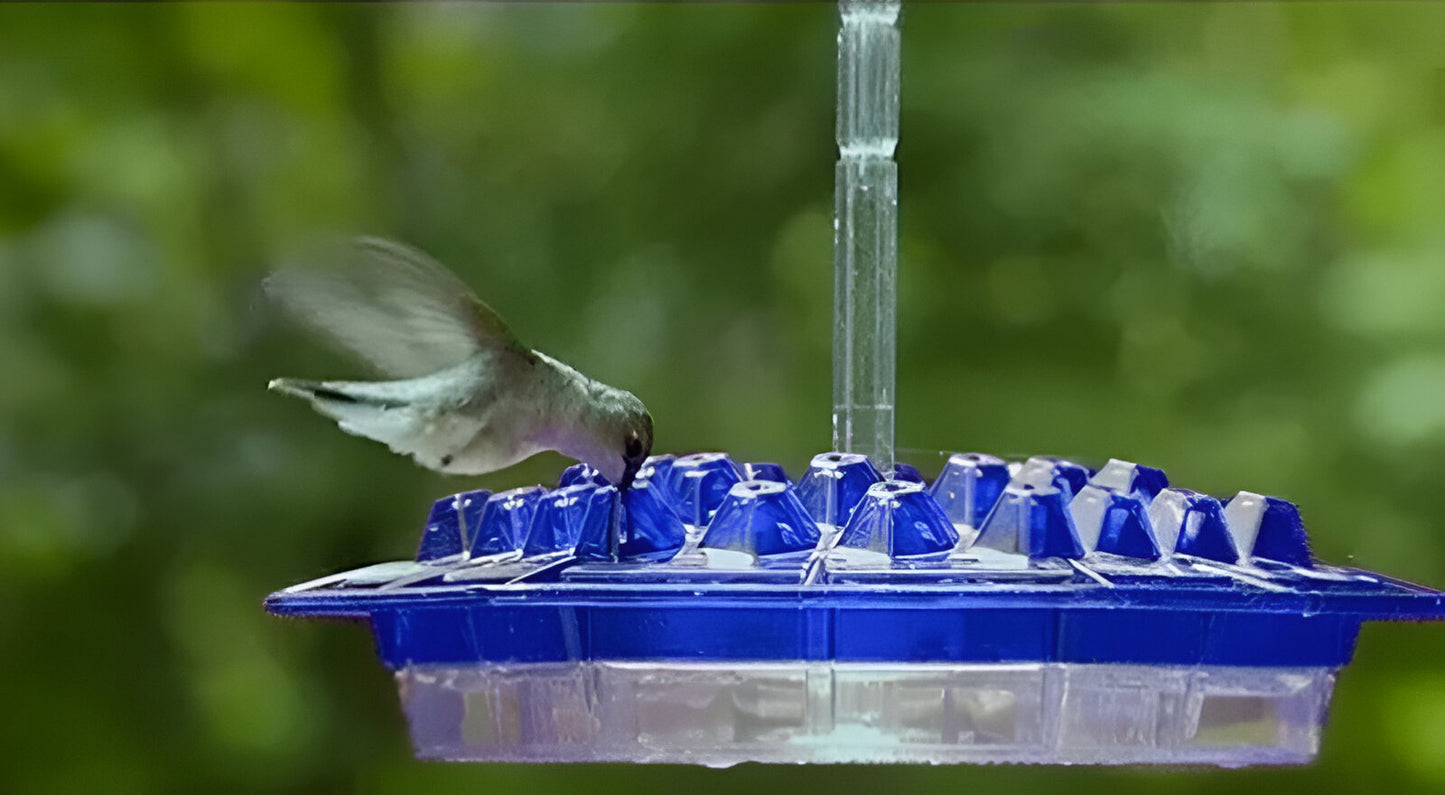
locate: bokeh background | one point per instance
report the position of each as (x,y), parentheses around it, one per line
(1205,237)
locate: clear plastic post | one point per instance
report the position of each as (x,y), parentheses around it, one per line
(865,243)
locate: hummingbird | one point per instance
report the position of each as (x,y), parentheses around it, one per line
(463,395)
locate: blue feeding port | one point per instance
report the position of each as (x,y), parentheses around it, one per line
(699,483)
(505,522)
(1033,521)
(447,526)
(898,520)
(969,486)
(761,518)
(717,612)
(834,484)
(568,514)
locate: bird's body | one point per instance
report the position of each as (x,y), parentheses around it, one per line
(467,397)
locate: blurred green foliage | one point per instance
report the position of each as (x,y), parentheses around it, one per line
(1206,237)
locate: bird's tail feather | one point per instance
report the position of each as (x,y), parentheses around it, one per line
(366,409)
(327,391)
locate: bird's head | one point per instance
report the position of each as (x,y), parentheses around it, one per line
(636,442)
(614,434)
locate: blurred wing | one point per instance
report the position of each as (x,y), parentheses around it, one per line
(395,307)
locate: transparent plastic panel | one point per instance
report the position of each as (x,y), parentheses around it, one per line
(719,714)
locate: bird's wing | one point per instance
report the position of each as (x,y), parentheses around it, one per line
(394,306)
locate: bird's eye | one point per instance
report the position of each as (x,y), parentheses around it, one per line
(634,447)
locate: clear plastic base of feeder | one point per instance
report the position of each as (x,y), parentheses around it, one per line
(721,714)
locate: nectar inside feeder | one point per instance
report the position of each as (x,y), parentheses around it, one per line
(717,613)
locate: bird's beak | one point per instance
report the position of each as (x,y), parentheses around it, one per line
(629,471)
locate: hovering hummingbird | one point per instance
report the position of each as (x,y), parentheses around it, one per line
(467,397)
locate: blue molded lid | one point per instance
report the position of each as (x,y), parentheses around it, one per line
(899,591)
(899,519)
(761,517)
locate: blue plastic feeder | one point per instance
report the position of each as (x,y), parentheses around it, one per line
(717,613)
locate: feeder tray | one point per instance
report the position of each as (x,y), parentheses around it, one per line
(717,613)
